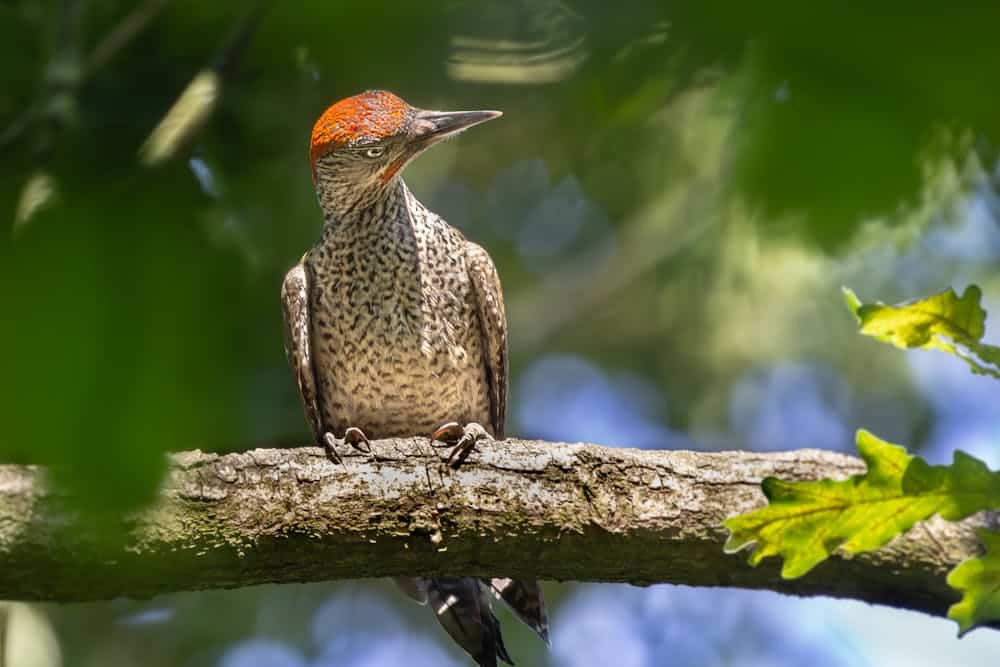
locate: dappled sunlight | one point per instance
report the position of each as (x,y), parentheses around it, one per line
(661,229)
(767,298)
(951,236)
(39,191)
(27,637)
(189,113)
(497,61)
(520,43)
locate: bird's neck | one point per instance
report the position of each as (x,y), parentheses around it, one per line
(395,216)
(347,208)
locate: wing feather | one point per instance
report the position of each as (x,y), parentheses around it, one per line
(524,597)
(298,341)
(493,321)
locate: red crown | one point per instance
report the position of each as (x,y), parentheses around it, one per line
(369,116)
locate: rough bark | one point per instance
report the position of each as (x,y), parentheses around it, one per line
(517,508)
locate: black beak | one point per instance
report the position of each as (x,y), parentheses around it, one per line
(431,127)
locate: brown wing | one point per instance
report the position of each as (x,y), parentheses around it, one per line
(298,341)
(493,321)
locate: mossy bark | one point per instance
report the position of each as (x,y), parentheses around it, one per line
(514,508)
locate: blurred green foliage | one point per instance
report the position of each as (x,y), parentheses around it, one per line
(140,303)
(674,194)
(840,104)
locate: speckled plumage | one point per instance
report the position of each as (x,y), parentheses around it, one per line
(395,322)
(397,339)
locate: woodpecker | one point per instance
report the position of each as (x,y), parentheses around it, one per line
(395,326)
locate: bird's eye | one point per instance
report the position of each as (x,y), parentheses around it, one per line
(374,151)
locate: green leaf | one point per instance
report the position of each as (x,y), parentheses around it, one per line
(805,522)
(979,581)
(943,321)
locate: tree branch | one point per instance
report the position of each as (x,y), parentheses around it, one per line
(517,508)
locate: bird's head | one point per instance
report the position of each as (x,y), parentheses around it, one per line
(361,144)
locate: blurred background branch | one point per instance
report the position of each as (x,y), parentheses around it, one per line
(196,103)
(68,70)
(517,508)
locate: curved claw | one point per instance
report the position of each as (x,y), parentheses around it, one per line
(330,444)
(353,436)
(464,439)
(450,432)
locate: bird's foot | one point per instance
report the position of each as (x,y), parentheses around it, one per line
(464,439)
(353,436)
